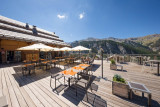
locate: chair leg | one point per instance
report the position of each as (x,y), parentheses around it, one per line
(86,94)
(50,81)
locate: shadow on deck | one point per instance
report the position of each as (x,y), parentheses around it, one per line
(141,101)
(39,74)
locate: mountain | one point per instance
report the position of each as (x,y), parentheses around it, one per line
(90,39)
(140,45)
(151,41)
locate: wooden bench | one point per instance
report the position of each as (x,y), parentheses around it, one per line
(120,67)
(3,101)
(140,87)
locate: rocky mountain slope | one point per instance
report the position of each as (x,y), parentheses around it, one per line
(141,45)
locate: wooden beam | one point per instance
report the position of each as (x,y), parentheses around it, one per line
(0,43)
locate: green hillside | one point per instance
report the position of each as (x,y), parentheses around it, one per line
(113,47)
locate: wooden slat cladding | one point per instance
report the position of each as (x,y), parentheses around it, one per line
(120,89)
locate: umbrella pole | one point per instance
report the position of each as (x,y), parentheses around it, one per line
(39,55)
(79,57)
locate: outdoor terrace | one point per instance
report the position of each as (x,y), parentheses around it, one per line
(35,90)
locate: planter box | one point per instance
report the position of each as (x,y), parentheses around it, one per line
(120,89)
(113,66)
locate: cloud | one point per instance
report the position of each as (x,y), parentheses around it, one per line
(81,16)
(61,16)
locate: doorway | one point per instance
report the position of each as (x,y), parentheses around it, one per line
(0,57)
(10,56)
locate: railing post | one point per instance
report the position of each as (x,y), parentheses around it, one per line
(102,61)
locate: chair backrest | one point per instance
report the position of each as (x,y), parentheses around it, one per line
(148,58)
(82,60)
(66,66)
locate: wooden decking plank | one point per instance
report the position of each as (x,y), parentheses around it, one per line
(5,89)
(49,101)
(74,93)
(48,87)
(52,93)
(16,91)
(1,87)
(21,89)
(13,96)
(30,93)
(41,83)
(44,83)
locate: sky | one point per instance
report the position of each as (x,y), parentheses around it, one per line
(79,19)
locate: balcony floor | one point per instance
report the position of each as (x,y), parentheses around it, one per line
(35,90)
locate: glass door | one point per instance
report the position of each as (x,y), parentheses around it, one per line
(0,57)
(17,56)
(10,56)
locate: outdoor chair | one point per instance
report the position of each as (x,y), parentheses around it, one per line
(48,65)
(146,61)
(24,70)
(28,69)
(83,61)
(31,68)
(92,60)
(57,63)
(83,83)
(56,77)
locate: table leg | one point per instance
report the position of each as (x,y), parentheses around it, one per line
(77,75)
(55,82)
(69,82)
(29,72)
(64,79)
(149,100)
(158,69)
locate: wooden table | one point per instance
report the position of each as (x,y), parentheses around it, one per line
(59,58)
(73,71)
(140,87)
(68,74)
(54,61)
(156,61)
(71,59)
(45,63)
(26,61)
(25,67)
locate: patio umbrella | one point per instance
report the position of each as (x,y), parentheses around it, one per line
(80,48)
(66,49)
(39,47)
(56,49)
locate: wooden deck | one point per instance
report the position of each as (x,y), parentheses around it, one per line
(35,90)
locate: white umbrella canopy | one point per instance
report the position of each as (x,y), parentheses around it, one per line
(38,46)
(66,49)
(56,49)
(80,48)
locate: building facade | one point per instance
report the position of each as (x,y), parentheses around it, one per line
(15,34)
